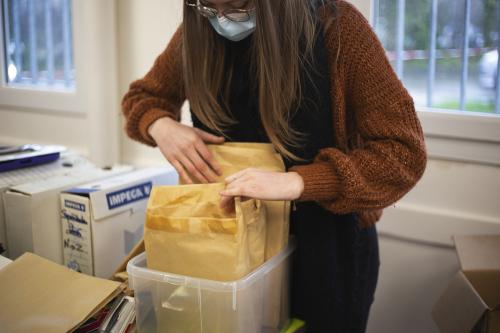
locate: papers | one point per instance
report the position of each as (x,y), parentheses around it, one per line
(41,296)
(120,317)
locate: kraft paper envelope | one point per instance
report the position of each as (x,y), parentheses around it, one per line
(40,296)
(237,156)
(187,233)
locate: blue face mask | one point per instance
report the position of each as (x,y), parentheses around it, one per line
(234,31)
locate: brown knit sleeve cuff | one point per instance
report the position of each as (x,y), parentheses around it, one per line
(320,181)
(147,120)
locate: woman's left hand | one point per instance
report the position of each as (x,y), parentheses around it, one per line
(261,184)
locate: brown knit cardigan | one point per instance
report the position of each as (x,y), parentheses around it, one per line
(379,152)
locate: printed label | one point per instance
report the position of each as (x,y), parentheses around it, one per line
(128,195)
(74,205)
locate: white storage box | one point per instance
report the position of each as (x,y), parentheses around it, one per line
(171,303)
(102,221)
(32,218)
(67,164)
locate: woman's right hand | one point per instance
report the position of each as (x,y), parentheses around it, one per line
(185,148)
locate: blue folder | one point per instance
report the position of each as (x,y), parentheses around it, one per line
(17,157)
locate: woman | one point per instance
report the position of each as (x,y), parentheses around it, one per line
(311,78)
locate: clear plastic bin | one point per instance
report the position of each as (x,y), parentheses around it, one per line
(170,303)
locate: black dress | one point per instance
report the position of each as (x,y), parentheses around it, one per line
(335,265)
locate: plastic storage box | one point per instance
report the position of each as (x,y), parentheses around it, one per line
(170,303)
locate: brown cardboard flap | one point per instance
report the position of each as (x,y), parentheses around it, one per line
(459,308)
(487,285)
(138,249)
(478,253)
(480,260)
(494,321)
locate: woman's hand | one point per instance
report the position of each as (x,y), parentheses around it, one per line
(261,184)
(185,148)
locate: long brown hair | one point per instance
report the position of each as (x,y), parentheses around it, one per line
(282,42)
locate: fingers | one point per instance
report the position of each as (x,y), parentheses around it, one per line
(227,204)
(241,183)
(184,147)
(198,161)
(192,169)
(202,149)
(194,162)
(234,176)
(182,173)
(234,191)
(201,167)
(243,186)
(210,138)
(239,175)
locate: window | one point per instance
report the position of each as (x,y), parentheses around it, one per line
(43,45)
(38,44)
(445,51)
(455,88)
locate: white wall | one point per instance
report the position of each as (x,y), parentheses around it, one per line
(365,6)
(22,126)
(416,249)
(144,29)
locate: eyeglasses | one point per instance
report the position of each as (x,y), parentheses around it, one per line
(233,14)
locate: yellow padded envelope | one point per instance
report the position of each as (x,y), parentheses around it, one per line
(237,156)
(187,233)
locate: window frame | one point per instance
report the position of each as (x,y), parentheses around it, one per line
(461,135)
(46,100)
(464,136)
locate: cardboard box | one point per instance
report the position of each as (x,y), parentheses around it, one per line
(68,162)
(32,212)
(471,302)
(103,221)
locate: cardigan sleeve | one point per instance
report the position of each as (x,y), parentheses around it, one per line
(160,93)
(392,157)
